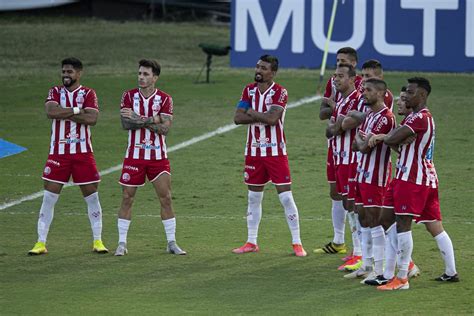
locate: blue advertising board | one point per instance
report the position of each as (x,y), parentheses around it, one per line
(416,35)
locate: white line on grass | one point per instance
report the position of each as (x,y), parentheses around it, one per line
(192,141)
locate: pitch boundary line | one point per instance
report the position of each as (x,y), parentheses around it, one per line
(192,141)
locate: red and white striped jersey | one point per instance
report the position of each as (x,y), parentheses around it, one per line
(68,137)
(265,140)
(373,168)
(415,161)
(341,144)
(144,144)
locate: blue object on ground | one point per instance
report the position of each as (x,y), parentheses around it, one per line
(8,149)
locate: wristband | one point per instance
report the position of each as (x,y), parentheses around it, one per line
(76,111)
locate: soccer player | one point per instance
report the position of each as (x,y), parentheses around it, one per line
(372,68)
(262,107)
(415,188)
(73,109)
(345,55)
(340,136)
(146,112)
(373,174)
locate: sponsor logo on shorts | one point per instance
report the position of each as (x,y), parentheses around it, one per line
(366,174)
(249,167)
(126,177)
(282,145)
(47,170)
(246,176)
(53,162)
(404,207)
(127,167)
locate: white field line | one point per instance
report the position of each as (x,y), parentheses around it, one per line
(192,141)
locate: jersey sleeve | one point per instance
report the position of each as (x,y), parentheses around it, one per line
(91,101)
(384,125)
(53,95)
(126,101)
(280,98)
(167,107)
(328,91)
(417,122)
(245,95)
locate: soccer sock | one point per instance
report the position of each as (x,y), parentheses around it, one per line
(46,214)
(338,221)
(291,213)
(405,249)
(123,225)
(254,215)
(170,228)
(390,253)
(446,248)
(378,240)
(356,236)
(367,255)
(95,214)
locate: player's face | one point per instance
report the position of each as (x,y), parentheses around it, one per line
(70,75)
(370,94)
(263,72)
(401,104)
(342,79)
(412,96)
(369,73)
(345,59)
(146,78)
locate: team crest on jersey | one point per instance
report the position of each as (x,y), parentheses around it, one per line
(268,99)
(156,107)
(252,92)
(80,97)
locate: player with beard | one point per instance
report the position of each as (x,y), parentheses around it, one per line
(262,107)
(73,109)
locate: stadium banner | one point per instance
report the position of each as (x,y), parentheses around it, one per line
(413,35)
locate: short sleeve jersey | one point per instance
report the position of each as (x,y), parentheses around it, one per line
(265,140)
(68,137)
(144,144)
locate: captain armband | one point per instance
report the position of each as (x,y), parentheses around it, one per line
(243,105)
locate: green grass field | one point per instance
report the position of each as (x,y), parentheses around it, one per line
(208,194)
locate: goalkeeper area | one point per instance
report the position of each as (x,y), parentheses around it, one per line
(209,196)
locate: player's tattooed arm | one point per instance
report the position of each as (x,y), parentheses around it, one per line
(54,111)
(270,117)
(398,136)
(132,121)
(86,116)
(326,108)
(162,124)
(241,117)
(352,120)
(361,143)
(331,129)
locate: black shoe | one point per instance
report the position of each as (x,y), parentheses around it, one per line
(446,278)
(379,280)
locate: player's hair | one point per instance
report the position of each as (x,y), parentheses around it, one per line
(403,89)
(273,60)
(350,70)
(151,63)
(348,51)
(421,82)
(74,62)
(379,84)
(373,64)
